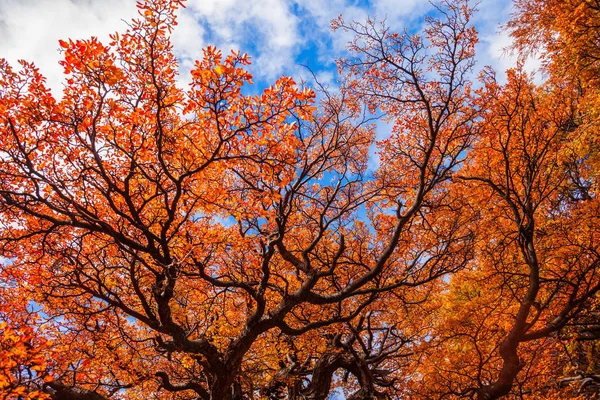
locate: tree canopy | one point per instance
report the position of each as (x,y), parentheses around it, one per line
(207,243)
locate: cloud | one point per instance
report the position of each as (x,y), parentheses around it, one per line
(188,40)
(30,29)
(494,42)
(278,34)
(266,29)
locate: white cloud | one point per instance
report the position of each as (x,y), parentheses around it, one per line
(267,29)
(500,57)
(494,42)
(274,32)
(30,29)
(188,41)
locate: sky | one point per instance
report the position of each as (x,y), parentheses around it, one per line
(282,36)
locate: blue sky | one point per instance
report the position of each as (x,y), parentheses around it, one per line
(280,35)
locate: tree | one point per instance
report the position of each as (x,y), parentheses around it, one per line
(211,244)
(206,243)
(564,34)
(22,360)
(505,320)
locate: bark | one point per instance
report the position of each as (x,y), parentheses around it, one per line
(60,391)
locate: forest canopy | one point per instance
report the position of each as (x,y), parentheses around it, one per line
(215,243)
